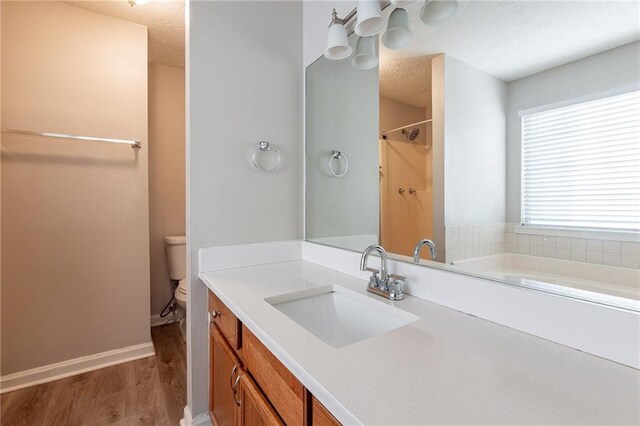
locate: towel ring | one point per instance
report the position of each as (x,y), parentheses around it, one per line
(262,147)
(337,155)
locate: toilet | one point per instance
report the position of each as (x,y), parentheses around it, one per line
(175,247)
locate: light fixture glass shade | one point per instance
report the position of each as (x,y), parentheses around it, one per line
(337,43)
(365,57)
(370,20)
(398,34)
(436,12)
(403,3)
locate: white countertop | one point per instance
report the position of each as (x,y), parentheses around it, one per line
(447,367)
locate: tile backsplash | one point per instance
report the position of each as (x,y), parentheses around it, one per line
(476,240)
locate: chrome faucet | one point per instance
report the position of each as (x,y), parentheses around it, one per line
(385,285)
(422,243)
(383,261)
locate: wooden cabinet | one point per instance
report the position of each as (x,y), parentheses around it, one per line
(255,409)
(224,368)
(282,388)
(227,323)
(321,416)
(248,385)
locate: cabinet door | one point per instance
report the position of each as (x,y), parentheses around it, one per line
(255,409)
(224,369)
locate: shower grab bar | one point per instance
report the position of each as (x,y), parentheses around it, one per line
(384,134)
(133,143)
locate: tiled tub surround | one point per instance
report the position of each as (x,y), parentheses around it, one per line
(453,360)
(477,240)
(474,240)
(598,270)
(597,251)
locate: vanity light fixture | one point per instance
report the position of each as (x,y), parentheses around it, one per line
(365,57)
(436,12)
(398,34)
(138,2)
(370,20)
(337,40)
(403,3)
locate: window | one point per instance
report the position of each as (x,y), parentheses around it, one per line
(581,165)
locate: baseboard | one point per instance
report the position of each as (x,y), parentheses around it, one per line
(156,320)
(188,420)
(60,370)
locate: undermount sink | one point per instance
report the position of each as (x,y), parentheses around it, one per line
(338,316)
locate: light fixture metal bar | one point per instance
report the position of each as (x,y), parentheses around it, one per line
(344,21)
(337,20)
(133,143)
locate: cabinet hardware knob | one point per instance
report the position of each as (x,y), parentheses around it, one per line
(215,314)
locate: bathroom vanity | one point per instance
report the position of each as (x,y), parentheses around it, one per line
(273,360)
(248,385)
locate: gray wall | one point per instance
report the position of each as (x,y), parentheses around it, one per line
(244,85)
(613,70)
(342,115)
(475,106)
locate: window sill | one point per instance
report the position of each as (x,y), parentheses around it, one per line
(578,233)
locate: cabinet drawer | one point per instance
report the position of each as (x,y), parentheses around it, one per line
(228,324)
(321,416)
(281,387)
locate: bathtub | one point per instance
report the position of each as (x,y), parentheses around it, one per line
(610,285)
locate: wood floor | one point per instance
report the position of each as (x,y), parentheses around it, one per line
(150,391)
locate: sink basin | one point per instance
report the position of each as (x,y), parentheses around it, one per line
(338,316)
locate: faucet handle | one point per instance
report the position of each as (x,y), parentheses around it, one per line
(396,285)
(374,280)
(374,271)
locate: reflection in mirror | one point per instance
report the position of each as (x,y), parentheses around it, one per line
(514,147)
(341,207)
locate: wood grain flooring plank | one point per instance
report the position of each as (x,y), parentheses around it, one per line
(149,391)
(105,409)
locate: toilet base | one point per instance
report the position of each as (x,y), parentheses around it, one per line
(183,327)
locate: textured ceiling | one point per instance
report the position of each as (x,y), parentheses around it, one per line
(509,39)
(164,19)
(407,80)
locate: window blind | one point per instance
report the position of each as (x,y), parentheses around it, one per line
(581,165)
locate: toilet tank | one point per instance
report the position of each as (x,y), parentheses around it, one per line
(175,247)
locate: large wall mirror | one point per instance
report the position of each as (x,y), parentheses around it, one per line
(509,136)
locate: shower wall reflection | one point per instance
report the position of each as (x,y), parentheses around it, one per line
(406,169)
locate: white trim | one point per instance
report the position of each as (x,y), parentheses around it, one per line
(60,370)
(156,320)
(593,234)
(199,420)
